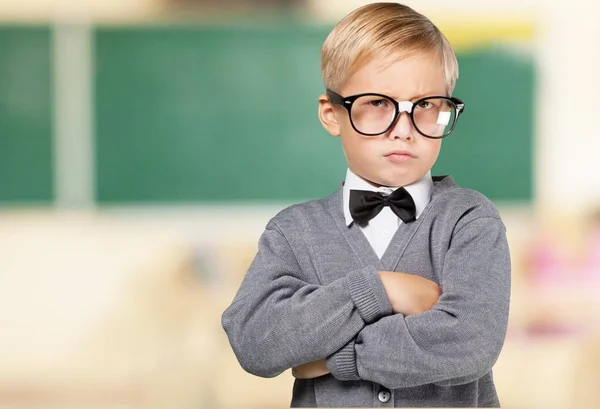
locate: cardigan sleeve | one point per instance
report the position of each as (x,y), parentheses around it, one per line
(282,317)
(460,339)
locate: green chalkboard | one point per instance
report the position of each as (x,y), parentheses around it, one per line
(195,114)
(25,115)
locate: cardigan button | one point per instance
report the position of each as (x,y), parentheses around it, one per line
(384,395)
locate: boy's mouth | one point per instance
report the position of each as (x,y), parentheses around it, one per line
(400,156)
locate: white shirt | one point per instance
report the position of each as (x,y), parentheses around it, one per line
(382,227)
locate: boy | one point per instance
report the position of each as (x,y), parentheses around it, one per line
(394,290)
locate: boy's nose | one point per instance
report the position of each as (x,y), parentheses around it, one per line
(403,128)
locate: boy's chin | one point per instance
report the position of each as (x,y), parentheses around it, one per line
(391,180)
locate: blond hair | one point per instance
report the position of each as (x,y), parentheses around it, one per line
(382,30)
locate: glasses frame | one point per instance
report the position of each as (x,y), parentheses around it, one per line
(347,103)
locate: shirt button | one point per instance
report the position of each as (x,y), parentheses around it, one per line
(384,395)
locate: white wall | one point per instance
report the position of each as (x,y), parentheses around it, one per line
(568,136)
(44,10)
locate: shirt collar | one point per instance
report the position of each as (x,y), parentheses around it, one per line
(420,192)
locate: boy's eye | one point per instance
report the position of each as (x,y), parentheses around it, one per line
(379,103)
(424,104)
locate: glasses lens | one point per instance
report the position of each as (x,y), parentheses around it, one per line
(435,117)
(372,114)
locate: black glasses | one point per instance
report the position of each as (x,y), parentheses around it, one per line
(375,114)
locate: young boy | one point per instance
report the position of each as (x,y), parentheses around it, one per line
(394,290)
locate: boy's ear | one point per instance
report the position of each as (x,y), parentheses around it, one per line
(328,116)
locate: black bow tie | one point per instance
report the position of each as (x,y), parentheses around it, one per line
(364,205)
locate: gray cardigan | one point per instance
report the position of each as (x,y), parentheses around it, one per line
(313,292)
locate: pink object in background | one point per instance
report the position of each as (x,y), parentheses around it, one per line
(547,263)
(592,259)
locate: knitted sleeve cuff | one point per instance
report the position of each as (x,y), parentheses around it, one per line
(342,364)
(368,294)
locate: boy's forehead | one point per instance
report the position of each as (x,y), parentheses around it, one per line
(399,77)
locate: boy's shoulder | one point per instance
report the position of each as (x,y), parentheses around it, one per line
(460,203)
(312,211)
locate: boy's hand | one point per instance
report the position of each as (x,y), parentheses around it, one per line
(409,294)
(310,370)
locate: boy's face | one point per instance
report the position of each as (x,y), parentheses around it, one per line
(400,156)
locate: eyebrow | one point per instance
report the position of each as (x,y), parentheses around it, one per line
(414,98)
(418,96)
(444,94)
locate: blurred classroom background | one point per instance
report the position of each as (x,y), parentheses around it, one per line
(144,144)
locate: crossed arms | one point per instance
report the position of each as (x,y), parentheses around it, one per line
(408,294)
(386,327)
